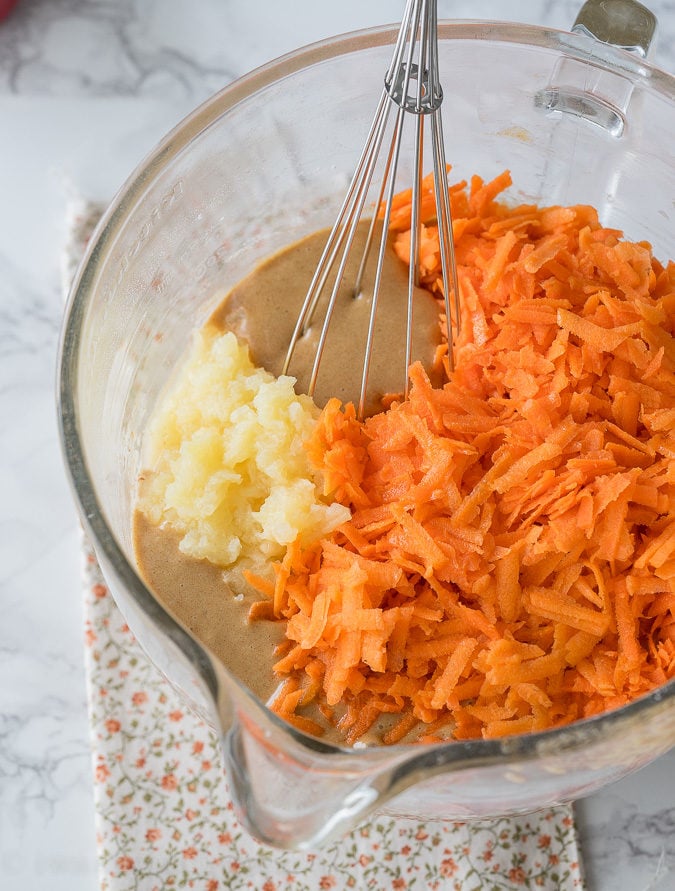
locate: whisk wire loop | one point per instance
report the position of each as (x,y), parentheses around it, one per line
(445,236)
(411,86)
(357,188)
(388,182)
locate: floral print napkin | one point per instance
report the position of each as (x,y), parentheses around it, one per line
(164,819)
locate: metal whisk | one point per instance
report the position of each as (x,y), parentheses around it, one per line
(412,87)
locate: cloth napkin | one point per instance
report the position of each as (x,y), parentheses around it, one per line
(164,819)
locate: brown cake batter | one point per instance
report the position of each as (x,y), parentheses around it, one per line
(262,310)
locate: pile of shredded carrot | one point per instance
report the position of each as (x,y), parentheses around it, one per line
(509,565)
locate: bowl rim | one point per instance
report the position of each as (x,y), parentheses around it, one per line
(525,747)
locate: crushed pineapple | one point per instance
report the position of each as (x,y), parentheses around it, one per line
(228,470)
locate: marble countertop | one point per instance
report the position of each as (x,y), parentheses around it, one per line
(86,89)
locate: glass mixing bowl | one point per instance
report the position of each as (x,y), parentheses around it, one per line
(258,166)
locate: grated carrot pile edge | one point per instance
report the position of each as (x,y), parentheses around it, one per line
(509,565)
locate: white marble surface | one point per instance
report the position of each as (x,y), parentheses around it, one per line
(86,88)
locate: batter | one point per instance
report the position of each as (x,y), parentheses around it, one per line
(262,310)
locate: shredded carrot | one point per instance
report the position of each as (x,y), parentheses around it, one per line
(509,565)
